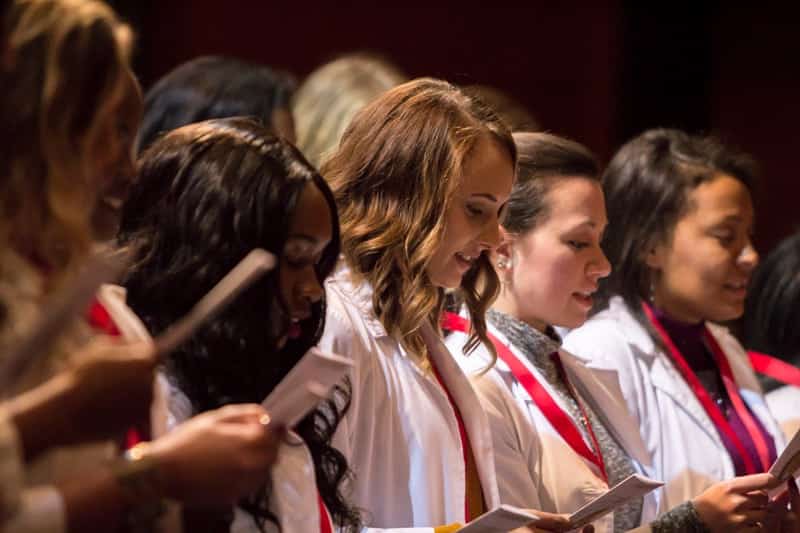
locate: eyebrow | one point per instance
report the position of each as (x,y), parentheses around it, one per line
(588,222)
(484,195)
(730,218)
(302,237)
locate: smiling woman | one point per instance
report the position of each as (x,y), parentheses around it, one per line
(421,177)
(680,224)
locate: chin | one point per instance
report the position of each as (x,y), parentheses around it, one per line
(447,282)
(727,314)
(281,344)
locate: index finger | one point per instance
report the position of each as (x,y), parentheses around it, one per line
(550,521)
(752,482)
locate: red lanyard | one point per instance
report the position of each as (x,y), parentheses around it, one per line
(711,408)
(558,418)
(775,368)
(100,319)
(462,432)
(325,520)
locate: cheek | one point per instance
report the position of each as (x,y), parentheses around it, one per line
(699,269)
(544,279)
(287,281)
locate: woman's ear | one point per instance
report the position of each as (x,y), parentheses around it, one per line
(503,254)
(654,256)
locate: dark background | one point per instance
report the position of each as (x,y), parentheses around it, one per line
(599,73)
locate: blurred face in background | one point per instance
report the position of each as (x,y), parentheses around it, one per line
(702,273)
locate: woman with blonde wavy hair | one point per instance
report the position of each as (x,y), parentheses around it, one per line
(69,110)
(420,178)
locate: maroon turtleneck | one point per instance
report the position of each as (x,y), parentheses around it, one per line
(688,338)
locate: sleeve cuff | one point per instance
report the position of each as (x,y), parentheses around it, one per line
(41,510)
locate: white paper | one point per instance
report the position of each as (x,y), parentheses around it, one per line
(788,463)
(500,520)
(632,487)
(59,312)
(308,382)
(254,265)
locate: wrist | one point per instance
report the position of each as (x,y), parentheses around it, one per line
(142,484)
(42,415)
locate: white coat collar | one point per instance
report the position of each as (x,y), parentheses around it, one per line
(359,293)
(600,386)
(666,377)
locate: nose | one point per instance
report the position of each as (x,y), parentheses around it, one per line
(599,267)
(490,237)
(748,257)
(309,287)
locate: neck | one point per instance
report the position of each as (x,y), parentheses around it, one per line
(506,303)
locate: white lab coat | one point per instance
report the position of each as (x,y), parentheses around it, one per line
(40,507)
(784,403)
(536,467)
(681,440)
(400,434)
(293,498)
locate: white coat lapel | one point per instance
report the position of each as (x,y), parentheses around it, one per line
(669,380)
(600,386)
(475,420)
(747,382)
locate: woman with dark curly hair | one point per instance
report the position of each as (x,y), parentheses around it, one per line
(207,194)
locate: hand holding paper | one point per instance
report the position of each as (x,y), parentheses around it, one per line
(632,487)
(500,520)
(308,382)
(507,518)
(788,463)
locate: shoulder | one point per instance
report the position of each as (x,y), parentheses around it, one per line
(610,335)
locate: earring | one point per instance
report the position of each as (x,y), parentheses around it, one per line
(652,295)
(501,263)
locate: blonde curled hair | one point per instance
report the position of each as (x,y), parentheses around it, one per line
(62,73)
(394,176)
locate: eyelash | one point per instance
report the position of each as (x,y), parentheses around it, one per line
(578,245)
(474,211)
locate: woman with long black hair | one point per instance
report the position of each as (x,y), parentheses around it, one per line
(207,194)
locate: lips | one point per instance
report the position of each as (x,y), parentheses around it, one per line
(465,261)
(294,330)
(585,297)
(737,289)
